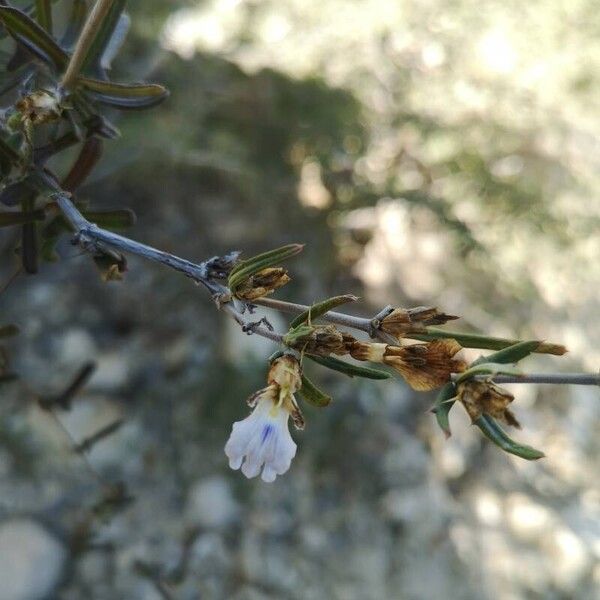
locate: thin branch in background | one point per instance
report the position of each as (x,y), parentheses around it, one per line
(89,442)
(64,399)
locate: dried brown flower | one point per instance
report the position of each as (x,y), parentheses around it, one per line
(39,107)
(479,397)
(402,321)
(423,366)
(324,340)
(263,283)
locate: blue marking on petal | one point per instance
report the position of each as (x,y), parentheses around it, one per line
(267,431)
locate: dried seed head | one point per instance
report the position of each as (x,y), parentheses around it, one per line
(425,366)
(479,397)
(401,321)
(263,283)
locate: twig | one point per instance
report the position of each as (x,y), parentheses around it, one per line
(84,42)
(550,378)
(369,326)
(89,236)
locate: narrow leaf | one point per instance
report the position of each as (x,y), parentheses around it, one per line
(103,37)
(320,308)
(125,95)
(43,14)
(116,41)
(496,434)
(511,354)
(443,403)
(348,368)
(484,342)
(90,154)
(26,31)
(312,394)
(74,24)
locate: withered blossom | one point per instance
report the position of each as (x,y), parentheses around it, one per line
(321,340)
(39,107)
(403,321)
(263,283)
(262,441)
(423,366)
(479,397)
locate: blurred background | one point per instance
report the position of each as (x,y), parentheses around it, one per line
(427,152)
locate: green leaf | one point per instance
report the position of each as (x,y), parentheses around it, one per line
(26,31)
(443,403)
(94,56)
(116,41)
(19,218)
(124,95)
(88,157)
(496,434)
(320,308)
(511,354)
(74,24)
(348,368)
(484,342)
(8,331)
(250,266)
(312,394)
(488,368)
(43,14)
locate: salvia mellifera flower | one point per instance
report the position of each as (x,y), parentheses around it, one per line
(262,441)
(423,366)
(479,397)
(403,321)
(263,283)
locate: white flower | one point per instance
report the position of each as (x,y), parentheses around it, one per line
(262,439)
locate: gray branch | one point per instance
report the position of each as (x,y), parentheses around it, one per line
(91,237)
